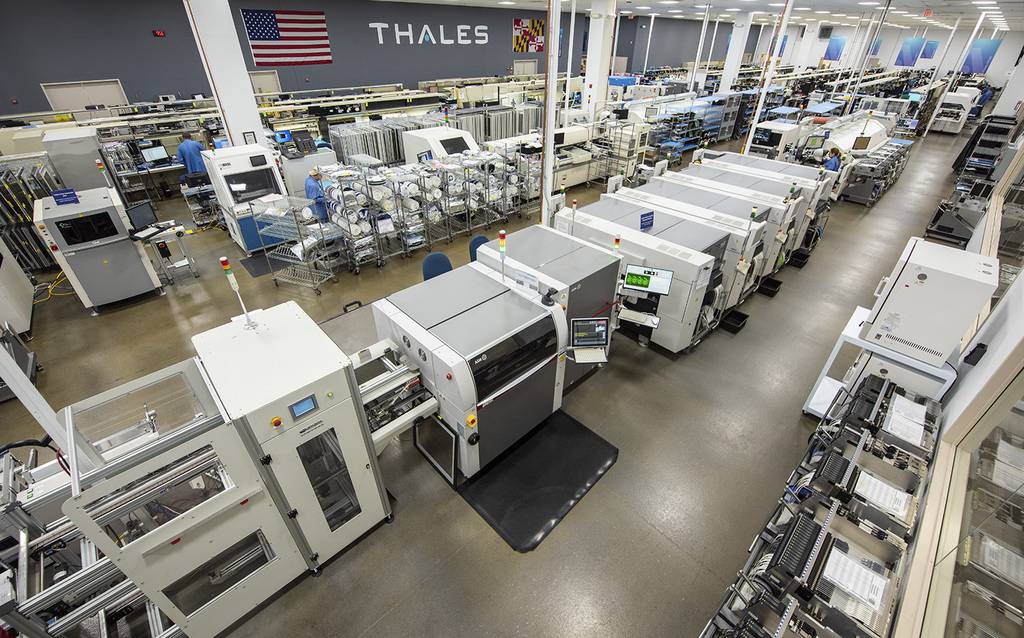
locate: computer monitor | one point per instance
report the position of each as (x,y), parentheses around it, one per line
(141,215)
(425,156)
(643,279)
(589,333)
(861,143)
(453,145)
(282,137)
(154,154)
(815,142)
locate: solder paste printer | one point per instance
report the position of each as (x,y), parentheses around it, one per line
(89,235)
(240,175)
(685,308)
(787,221)
(489,352)
(747,225)
(583,276)
(816,183)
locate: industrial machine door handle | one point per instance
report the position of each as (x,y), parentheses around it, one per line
(881,284)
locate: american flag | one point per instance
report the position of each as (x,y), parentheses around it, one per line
(287,38)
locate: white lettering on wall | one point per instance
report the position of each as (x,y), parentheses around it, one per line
(379,26)
(465,34)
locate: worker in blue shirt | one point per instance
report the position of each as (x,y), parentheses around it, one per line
(315,192)
(190,154)
(834,160)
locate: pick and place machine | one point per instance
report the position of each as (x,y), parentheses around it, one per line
(193,494)
(491,353)
(240,175)
(90,236)
(683,300)
(796,216)
(816,183)
(580,276)
(746,225)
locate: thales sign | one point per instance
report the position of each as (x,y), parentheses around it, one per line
(408,34)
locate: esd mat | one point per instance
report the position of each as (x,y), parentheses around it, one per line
(527,491)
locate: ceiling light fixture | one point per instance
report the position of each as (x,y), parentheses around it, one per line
(668,2)
(732,10)
(675,10)
(822,12)
(868,4)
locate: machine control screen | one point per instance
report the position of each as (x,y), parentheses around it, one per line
(861,143)
(251,185)
(653,280)
(80,230)
(301,408)
(590,333)
(814,142)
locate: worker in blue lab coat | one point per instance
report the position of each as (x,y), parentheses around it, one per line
(834,160)
(315,192)
(190,154)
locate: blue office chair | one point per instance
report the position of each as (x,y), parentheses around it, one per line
(435,264)
(475,243)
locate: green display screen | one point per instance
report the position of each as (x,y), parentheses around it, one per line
(638,280)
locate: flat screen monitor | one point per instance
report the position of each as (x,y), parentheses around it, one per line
(559,139)
(590,333)
(141,214)
(251,185)
(861,143)
(815,142)
(643,279)
(915,97)
(454,145)
(650,111)
(154,154)
(283,137)
(425,156)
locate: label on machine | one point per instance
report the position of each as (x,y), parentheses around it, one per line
(647,221)
(63,196)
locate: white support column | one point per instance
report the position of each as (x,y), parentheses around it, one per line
(737,44)
(547,177)
(599,48)
(700,47)
(221,55)
(871,35)
(647,51)
(803,49)
(775,53)
(568,63)
(757,42)
(711,49)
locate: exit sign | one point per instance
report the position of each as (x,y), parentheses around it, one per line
(159,33)
(927,13)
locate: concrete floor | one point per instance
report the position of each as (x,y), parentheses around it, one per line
(706,441)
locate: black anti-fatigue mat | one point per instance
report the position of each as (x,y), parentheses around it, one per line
(257,266)
(525,493)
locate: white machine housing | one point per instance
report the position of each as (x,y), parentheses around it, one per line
(240,175)
(679,311)
(744,254)
(772,138)
(816,183)
(436,143)
(926,305)
(104,269)
(16,293)
(954,109)
(789,218)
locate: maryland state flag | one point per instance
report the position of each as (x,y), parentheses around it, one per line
(527,36)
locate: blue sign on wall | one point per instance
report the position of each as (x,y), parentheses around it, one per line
(834,50)
(646,220)
(910,51)
(876,46)
(930,48)
(63,196)
(980,56)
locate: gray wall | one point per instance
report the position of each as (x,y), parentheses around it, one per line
(112,39)
(68,40)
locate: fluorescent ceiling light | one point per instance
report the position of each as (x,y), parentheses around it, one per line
(732,10)
(668,1)
(868,4)
(777,4)
(897,11)
(984,2)
(643,8)
(802,9)
(822,12)
(625,12)
(675,10)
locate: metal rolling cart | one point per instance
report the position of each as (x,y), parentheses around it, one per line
(310,247)
(350,212)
